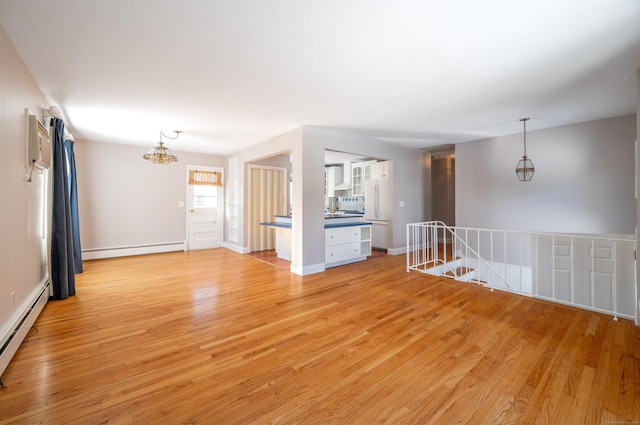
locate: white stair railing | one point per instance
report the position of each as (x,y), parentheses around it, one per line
(595,272)
(457,262)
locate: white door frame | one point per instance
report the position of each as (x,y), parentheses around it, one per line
(220,206)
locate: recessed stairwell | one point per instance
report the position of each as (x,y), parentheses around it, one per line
(593,272)
(456,268)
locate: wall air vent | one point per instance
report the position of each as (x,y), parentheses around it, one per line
(39,144)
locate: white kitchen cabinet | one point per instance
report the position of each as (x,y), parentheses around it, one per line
(346,244)
(333,176)
(366,167)
(380,170)
(357,179)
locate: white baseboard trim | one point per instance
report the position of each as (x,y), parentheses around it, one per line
(305,270)
(397,251)
(237,248)
(124,251)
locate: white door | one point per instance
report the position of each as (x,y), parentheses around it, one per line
(204,215)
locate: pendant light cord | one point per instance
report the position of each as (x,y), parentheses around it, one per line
(524,123)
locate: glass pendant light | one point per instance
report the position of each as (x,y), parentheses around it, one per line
(524,169)
(161,154)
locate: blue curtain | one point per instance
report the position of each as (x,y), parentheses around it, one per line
(63,279)
(73,200)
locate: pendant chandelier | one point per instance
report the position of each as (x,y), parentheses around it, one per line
(161,154)
(524,169)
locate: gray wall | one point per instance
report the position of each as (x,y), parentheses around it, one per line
(443,183)
(127,201)
(583,181)
(22,247)
(427,183)
(637,181)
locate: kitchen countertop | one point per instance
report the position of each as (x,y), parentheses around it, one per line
(356,223)
(276,224)
(330,215)
(326,225)
(284,221)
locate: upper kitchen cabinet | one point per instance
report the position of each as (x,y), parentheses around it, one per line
(362,172)
(357,179)
(379,170)
(366,169)
(333,176)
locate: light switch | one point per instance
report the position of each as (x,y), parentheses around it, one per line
(401,204)
(181,204)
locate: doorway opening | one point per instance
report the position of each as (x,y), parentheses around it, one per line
(443,184)
(268,198)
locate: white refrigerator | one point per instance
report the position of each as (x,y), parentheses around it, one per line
(376,210)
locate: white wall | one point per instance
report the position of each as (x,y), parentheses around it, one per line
(307,145)
(22,251)
(286,143)
(407,169)
(583,181)
(127,201)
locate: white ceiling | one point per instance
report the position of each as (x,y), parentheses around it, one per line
(232,73)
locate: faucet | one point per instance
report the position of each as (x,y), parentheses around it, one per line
(332,204)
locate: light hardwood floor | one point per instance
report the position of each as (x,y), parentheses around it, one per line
(214,337)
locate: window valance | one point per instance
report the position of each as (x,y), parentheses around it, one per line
(206,178)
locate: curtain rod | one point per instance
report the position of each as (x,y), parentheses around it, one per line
(54,112)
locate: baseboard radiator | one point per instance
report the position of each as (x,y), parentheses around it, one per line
(125,251)
(18,331)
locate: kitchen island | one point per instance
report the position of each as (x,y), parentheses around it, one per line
(347,238)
